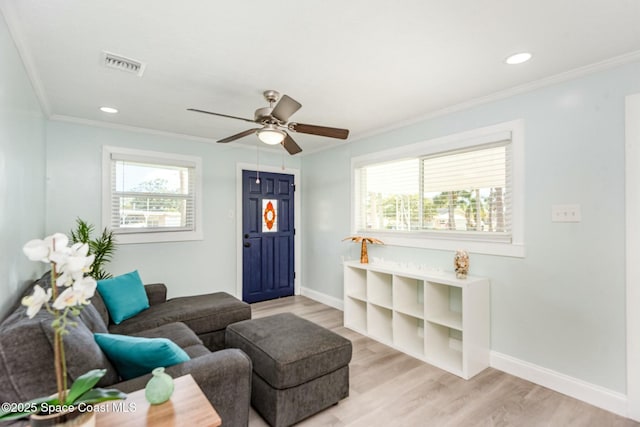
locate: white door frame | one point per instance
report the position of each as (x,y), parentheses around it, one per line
(296,222)
(632,227)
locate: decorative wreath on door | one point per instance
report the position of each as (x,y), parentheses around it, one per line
(269,216)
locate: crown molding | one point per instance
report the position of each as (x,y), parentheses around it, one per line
(128,128)
(149,131)
(516,90)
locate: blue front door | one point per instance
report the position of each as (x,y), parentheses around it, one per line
(267,235)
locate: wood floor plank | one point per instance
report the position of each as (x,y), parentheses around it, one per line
(390,388)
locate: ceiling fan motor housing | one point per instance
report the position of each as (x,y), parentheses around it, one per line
(263,115)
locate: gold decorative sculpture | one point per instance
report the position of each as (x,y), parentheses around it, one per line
(364,258)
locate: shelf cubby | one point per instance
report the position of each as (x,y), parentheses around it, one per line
(358,319)
(409,295)
(355,283)
(442,348)
(444,305)
(379,288)
(408,334)
(379,323)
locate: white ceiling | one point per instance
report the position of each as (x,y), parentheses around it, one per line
(362,65)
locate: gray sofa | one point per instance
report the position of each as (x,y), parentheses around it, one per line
(196,324)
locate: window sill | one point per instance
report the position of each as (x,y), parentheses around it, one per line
(178,236)
(516,250)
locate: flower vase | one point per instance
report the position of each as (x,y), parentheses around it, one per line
(64,419)
(159,388)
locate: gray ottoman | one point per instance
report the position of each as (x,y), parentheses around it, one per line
(299,368)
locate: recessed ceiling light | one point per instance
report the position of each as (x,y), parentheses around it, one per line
(518,58)
(109,110)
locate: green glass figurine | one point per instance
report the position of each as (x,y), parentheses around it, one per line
(159,388)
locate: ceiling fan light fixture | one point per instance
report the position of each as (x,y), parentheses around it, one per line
(271,135)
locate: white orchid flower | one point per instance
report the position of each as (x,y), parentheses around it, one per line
(57,241)
(68,298)
(88,262)
(77,294)
(80,249)
(86,287)
(34,302)
(58,250)
(52,249)
(37,250)
(74,264)
(59,257)
(64,279)
(77,259)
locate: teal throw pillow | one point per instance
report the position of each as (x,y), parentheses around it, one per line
(124,296)
(136,356)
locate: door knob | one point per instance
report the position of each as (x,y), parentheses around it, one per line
(247,244)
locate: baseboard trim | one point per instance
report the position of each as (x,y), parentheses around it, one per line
(592,394)
(323,298)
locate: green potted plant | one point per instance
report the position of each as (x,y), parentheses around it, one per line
(101,247)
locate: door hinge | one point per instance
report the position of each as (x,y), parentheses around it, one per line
(294,274)
(294,187)
(294,231)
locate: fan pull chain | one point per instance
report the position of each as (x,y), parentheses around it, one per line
(258,163)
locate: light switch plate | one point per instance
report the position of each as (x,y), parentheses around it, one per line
(566,213)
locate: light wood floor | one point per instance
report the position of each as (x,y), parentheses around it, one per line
(389,388)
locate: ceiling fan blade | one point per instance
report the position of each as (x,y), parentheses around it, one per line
(285,108)
(221,115)
(290,145)
(238,135)
(319,130)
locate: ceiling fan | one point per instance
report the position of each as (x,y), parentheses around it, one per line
(274,122)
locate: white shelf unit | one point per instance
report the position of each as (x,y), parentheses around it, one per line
(434,317)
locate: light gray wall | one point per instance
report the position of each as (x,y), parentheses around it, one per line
(562,306)
(74,171)
(22,163)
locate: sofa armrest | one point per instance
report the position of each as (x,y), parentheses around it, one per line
(224,377)
(156,292)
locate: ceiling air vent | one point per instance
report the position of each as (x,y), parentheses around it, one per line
(111,60)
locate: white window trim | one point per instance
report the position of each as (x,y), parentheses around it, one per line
(158,236)
(475,137)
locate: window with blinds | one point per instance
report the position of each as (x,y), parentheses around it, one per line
(151,193)
(463,193)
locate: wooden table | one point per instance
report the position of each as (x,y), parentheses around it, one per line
(188,406)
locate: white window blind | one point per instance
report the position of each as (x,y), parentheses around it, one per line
(151,195)
(466,192)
